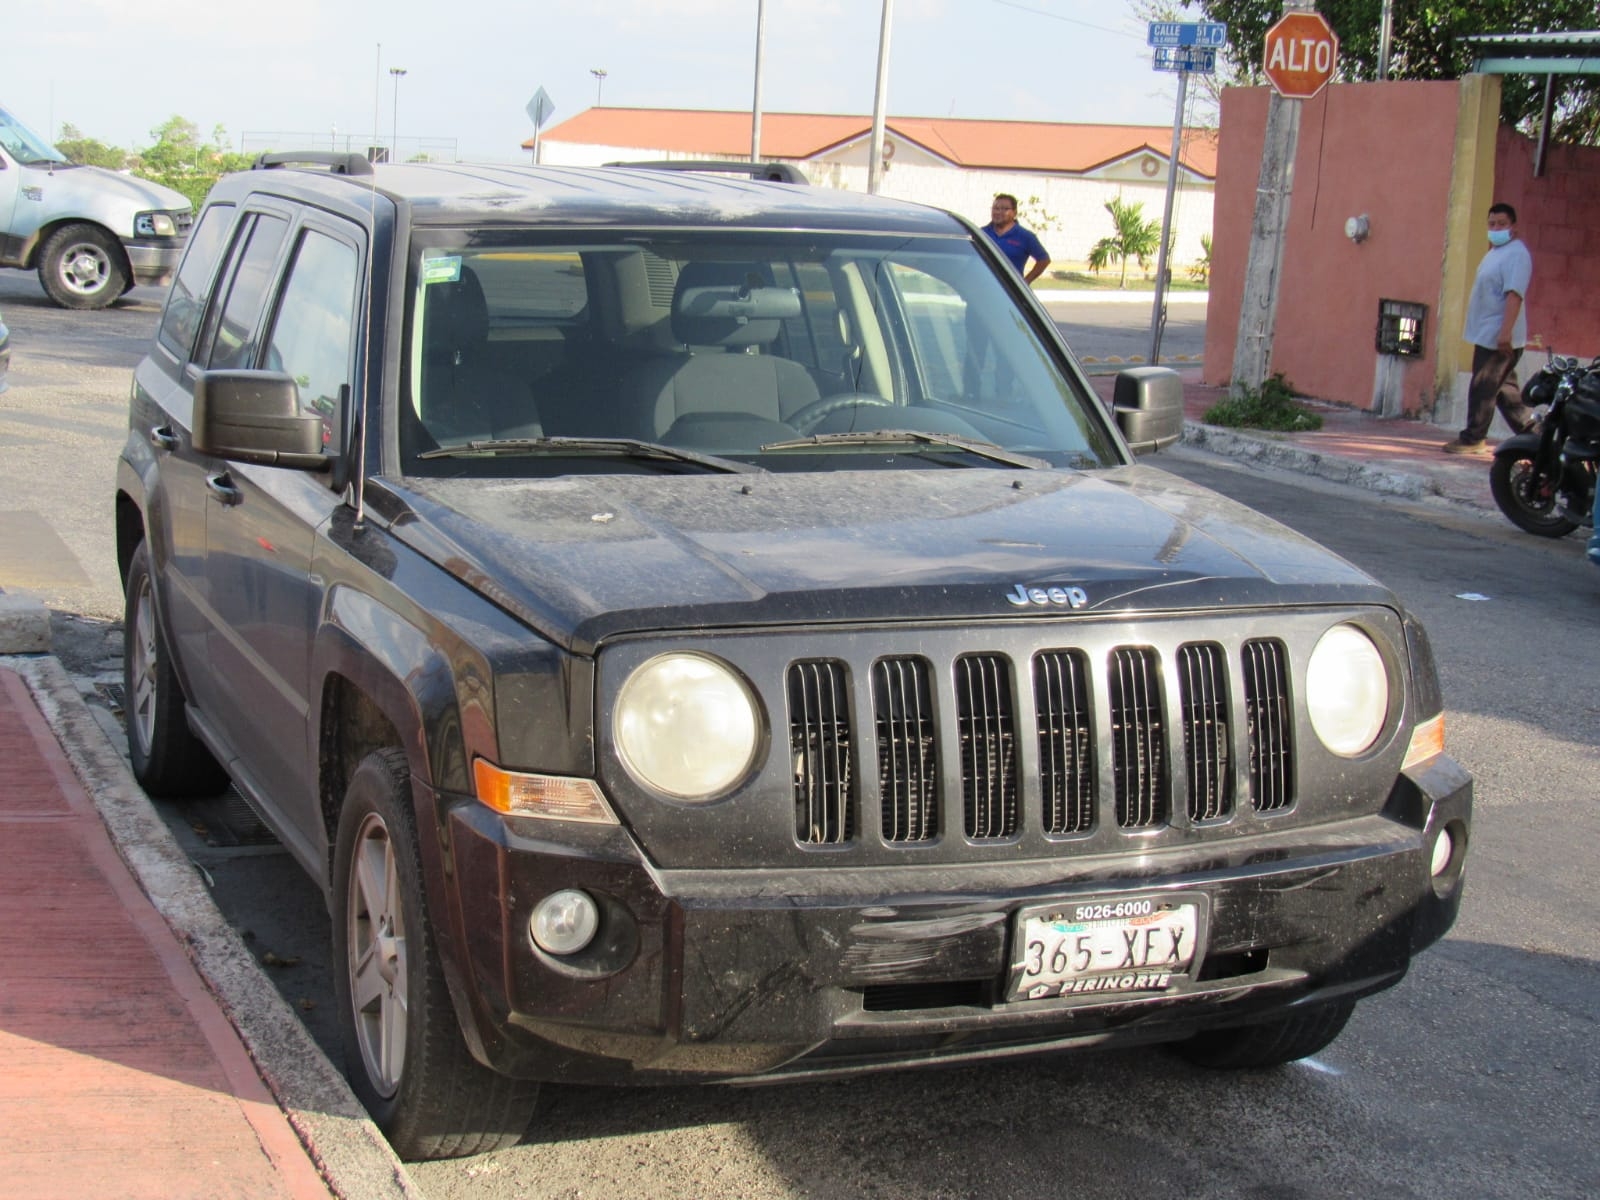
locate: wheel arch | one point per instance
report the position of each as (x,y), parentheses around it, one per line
(31,248)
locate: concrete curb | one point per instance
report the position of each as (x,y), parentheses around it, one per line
(330,1122)
(1286,457)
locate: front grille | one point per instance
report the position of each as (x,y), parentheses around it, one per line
(1203,682)
(1138,738)
(819,746)
(1269,720)
(1066,745)
(909,772)
(988,745)
(1084,742)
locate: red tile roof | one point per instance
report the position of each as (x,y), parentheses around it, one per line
(991,145)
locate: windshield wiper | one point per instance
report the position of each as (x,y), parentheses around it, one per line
(912,437)
(620,447)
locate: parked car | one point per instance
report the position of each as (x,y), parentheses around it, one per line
(90,233)
(703,628)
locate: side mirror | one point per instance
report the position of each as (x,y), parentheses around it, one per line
(255,417)
(1148,402)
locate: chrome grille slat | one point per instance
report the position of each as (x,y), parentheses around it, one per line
(1066,758)
(1207,736)
(907,769)
(1138,738)
(1268,720)
(986,725)
(819,745)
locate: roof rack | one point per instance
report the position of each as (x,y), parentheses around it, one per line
(775,172)
(337,164)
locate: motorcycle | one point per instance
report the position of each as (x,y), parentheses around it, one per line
(1544,481)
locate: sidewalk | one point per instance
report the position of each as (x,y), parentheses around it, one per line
(1396,457)
(123,1069)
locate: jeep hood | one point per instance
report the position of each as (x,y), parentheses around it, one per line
(581,558)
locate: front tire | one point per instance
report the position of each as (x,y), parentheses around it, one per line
(167,758)
(81,266)
(404,1053)
(1527,496)
(1267,1043)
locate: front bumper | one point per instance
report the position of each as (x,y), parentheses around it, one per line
(733,975)
(154,261)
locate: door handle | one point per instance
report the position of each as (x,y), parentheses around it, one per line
(222,490)
(163,438)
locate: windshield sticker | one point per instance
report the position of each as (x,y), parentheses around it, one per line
(442,270)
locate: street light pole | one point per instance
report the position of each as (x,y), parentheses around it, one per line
(599,83)
(755,104)
(880,101)
(394,125)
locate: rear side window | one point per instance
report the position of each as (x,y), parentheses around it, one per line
(313,333)
(181,321)
(234,342)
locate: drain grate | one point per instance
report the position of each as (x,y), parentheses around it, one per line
(113,695)
(226,820)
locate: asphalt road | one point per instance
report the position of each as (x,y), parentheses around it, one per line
(1475,1077)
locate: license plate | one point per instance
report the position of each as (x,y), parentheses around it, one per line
(1106,945)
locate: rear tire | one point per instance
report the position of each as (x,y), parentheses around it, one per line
(404,1053)
(1268,1043)
(81,266)
(167,759)
(1527,498)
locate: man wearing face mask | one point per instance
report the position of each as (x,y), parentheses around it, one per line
(1497,327)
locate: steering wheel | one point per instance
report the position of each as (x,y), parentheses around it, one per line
(807,418)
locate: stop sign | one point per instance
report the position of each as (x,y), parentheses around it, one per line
(1301,51)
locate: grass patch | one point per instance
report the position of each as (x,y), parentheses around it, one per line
(1084,281)
(1271,407)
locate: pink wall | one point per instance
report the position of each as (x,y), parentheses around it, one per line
(1558,216)
(1380,149)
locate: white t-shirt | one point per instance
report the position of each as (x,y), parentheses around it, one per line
(1504,269)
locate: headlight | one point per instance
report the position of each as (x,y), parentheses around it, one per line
(1347,690)
(686,725)
(155,224)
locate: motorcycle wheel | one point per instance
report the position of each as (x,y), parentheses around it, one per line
(1527,496)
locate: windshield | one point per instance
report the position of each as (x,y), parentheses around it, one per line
(24,145)
(782,351)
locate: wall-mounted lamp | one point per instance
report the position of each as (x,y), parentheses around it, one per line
(1357,228)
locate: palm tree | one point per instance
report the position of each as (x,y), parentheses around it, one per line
(1134,238)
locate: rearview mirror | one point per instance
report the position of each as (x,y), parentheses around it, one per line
(255,417)
(1148,402)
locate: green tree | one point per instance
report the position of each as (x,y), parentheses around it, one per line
(1426,43)
(88,152)
(1135,237)
(180,159)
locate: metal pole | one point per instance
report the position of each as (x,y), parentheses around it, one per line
(394,121)
(1158,313)
(1385,33)
(755,103)
(1545,114)
(875,151)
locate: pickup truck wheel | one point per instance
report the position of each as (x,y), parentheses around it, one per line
(1268,1043)
(168,760)
(404,1053)
(80,266)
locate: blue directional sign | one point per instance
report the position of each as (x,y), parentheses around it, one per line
(1185,58)
(1188,33)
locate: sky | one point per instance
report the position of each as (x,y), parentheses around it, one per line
(116,70)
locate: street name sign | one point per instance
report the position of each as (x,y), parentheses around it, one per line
(1188,33)
(1185,58)
(1300,54)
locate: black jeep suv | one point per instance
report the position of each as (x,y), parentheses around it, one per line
(700,628)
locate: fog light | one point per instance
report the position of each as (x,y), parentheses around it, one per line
(1444,847)
(564,922)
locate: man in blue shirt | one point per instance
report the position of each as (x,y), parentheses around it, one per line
(1497,327)
(1016,242)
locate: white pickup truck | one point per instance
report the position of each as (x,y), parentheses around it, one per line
(90,233)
